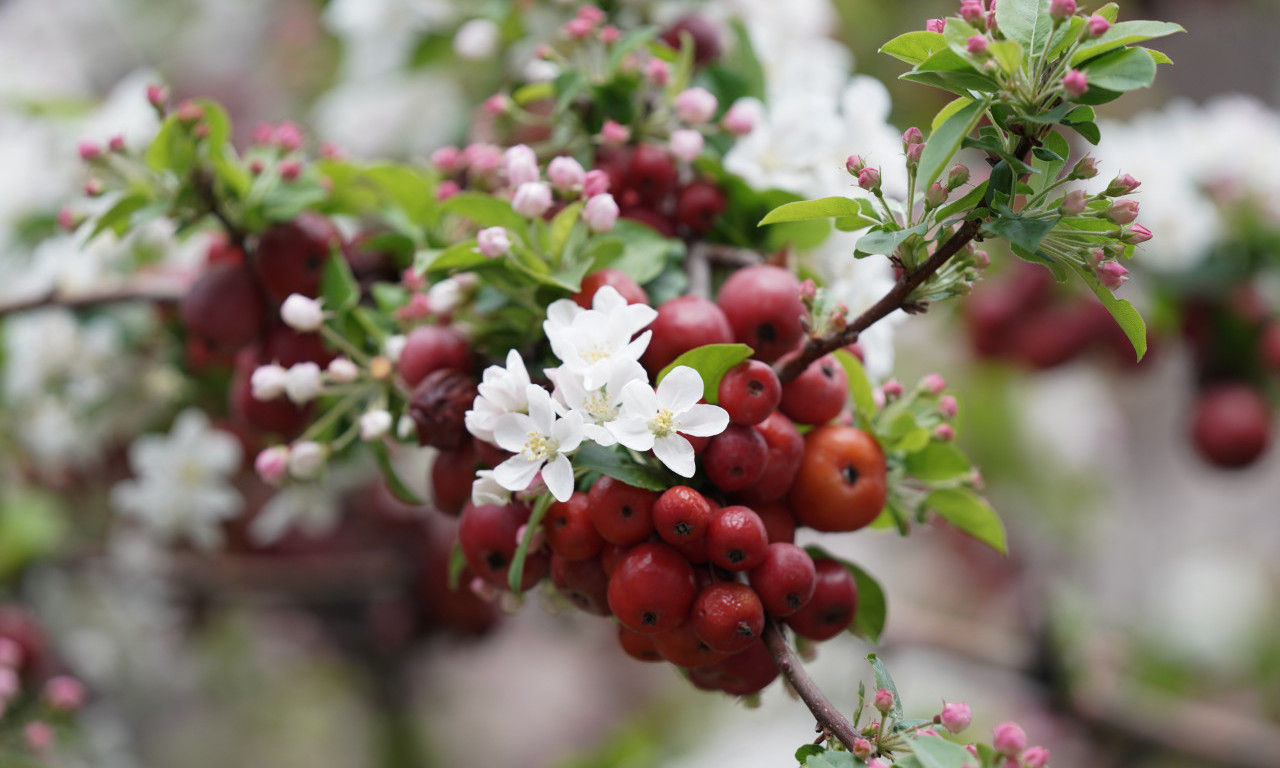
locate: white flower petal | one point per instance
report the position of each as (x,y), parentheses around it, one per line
(639,400)
(517,472)
(676,453)
(558,475)
(680,389)
(632,432)
(567,432)
(511,431)
(704,420)
(598,434)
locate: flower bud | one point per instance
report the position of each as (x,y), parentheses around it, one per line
(944,432)
(1111,274)
(936,195)
(934,384)
(38,736)
(67,219)
(268,382)
(884,700)
(565,173)
(306,459)
(955,716)
(190,113)
(1096,26)
(869,179)
(64,693)
(447,189)
(596,182)
(958,176)
(288,136)
(686,144)
(977,45)
(493,242)
(1122,185)
(157,95)
(1062,9)
(1075,83)
(935,25)
(393,346)
(1123,212)
(614,134)
(695,106)
(981,259)
(808,290)
(92,188)
(89,151)
(742,117)
(342,371)
(521,165)
(973,12)
(302,313)
(448,159)
(1035,757)
(912,136)
(116,143)
(948,408)
(601,213)
(892,389)
(1074,203)
(1136,234)
(1086,168)
(374,425)
(578,29)
(862,749)
(532,199)
(290,170)
(854,164)
(1008,738)
(439,405)
(656,71)
(482,159)
(303,382)
(497,104)
(914,152)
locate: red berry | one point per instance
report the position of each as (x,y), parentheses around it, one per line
(762,304)
(683,323)
(785,446)
(430,348)
(749,392)
(699,205)
(681,516)
(451,476)
(785,579)
(652,588)
(779,523)
(652,172)
(1231,425)
(705,34)
(570,532)
(727,616)
(623,514)
(223,306)
(734,459)
(583,582)
(487,537)
(682,646)
(291,256)
(637,646)
(655,220)
(834,603)
(742,674)
(619,280)
(818,394)
(842,484)
(737,539)
(287,347)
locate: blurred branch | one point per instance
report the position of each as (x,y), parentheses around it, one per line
(152,288)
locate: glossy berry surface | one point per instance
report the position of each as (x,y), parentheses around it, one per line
(834,603)
(842,484)
(652,588)
(737,539)
(735,458)
(621,513)
(818,394)
(762,304)
(749,392)
(727,616)
(785,579)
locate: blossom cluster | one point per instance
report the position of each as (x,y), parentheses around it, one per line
(601,395)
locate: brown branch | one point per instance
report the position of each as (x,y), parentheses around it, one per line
(827,714)
(153,288)
(202,182)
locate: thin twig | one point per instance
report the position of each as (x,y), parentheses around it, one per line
(153,288)
(827,714)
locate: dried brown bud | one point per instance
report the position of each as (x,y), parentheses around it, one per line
(439,406)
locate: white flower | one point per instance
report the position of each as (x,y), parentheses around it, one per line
(303,382)
(541,442)
(312,508)
(476,39)
(595,340)
(375,424)
(301,313)
(446,295)
(487,490)
(306,459)
(686,144)
(181,481)
(493,242)
(601,405)
(501,391)
(405,427)
(268,382)
(653,420)
(393,346)
(521,165)
(532,199)
(343,371)
(601,212)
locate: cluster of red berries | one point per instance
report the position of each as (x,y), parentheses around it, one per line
(646,181)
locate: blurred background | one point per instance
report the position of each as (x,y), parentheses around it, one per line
(1135,622)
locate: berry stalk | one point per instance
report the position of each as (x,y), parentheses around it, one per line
(827,714)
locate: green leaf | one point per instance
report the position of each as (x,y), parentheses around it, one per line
(561,228)
(1089,131)
(1110,12)
(31,526)
(938,462)
(644,253)
(338,286)
(971,200)
(618,465)
(409,188)
(1161,58)
(1122,34)
(807,751)
(854,212)
(832,759)
(1026,21)
(937,752)
(119,217)
(859,384)
(487,211)
(950,109)
(531,92)
(394,483)
(629,42)
(885,680)
(950,71)
(968,511)
(944,142)
(515,573)
(460,256)
(1008,54)
(882,242)
(568,85)
(172,149)
(1125,70)
(1123,312)
(1024,233)
(1049,160)
(914,47)
(1064,36)
(711,361)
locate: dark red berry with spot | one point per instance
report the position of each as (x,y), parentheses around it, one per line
(762,304)
(637,646)
(681,515)
(438,407)
(682,646)
(683,323)
(818,394)
(727,616)
(487,537)
(223,307)
(735,458)
(291,256)
(749,392)
(785,579)
(785,450)
(429,348)
(569,530)
(742,674)
(623,514)
(737,539)
(834,603)
(699,205)
(583,582)
(652,173)
(652,588)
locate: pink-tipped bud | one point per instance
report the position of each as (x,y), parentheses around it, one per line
(869,179)
(1075,83)
(521,165)
(600,212)
(290,170)
(288,136)
(927,732)
(38,736)
(447,189)
(1086,168)
(1008,738)
(610,35)
(92,187)
(157,95)
(1096,26)
(981,259)
(591,13)
(614,134)
(190,112)
(1062,9)
(1122,185)
(977,45)
(935,25)
(1035,757)
(596,182)
(1123,212)
(482,159)
(410,279)
(116,144)
(947,407)
(944,432)
(64,693)
(448,159)
(808,290)
(656,71)
(971,749)
(912,136)
(497,104)
(565,173)
(67,220)
(884,700)
(257,166)
(914,153)
(741,118)
(493,242)
(542,51)
(854,164)
(1111,274)
(1074,202)
(934,384)
(973,12)
(331,151)
(892,389)
(862,749)
(532,199)
(695,106)
(272,464)
(958,176)
(955,716)
(686,144)
(936,195)
(89,151)
(262,133)
(578,29)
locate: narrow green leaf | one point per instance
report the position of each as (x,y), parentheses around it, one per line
(338,286)
(1008,54)
(938,462)
(515,573)
(561,228)
(711,361)
(1125,70)
(1161,58)
(885,680)
(618,465)
(394,483)
(1024,233)
(487,211)
(460,256)
(119,216)
(568,85)
(823,208)
(950,109)
(859,384)
(1110,12)
(885,243)
(971,200)
(944,142)
(1064,36)
(914,47)
(1122,34)
(629,42)
(531,92)
(971,514)
(1026,21)
(937,752)
(1123,312)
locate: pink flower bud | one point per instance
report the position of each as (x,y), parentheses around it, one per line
(808,290)
(482,159)
(742,117)
(1035,757)
(944,432)
(565,173)
(448,159)
(1112,275)
(955,716)
(521,165)
(686,144)
(601,212)
(971,749)
(532,199)
(190,112)
(1075,83)
(157,95)
(1123,212)
(596,182)
(92,187)
(116,144)
(290,170)
(10,653)
(973,12)
(578,29)
(1008,738)
(934,384)
(862,749)
(272,464)
(981,259)
(936,195)
(656,71)
(306,459)
(1136,235)
(38,736)
(959,175)
(412,280)
(343,371)
(1096,26)
(695,106)
(497,104)
(977,45)
(854,164)
(1122,185)
(67,220)
(1087,168)
(614,134)
(288,136)
(256,166)
(64,693)
(869,179)
(493,242)
(947,407)
(447,189)
(892,388)
(914,152)
(912,136)
(262,133)
(884,700)
(935,25)
(610,35)
(591,13)
(1074,202)
(418,308)
(89,151)
(1062,9)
